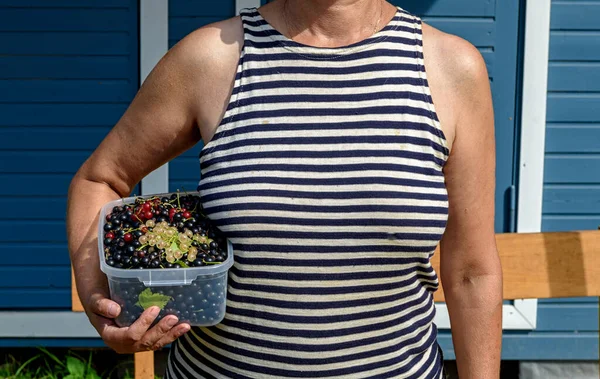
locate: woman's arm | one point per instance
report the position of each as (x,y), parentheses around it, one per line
(470,266)
(160,123)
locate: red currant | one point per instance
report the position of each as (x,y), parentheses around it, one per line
(183,210)
(128,237)
(144,229)
(146,206)
(110,235)
(187,214)
(148,214)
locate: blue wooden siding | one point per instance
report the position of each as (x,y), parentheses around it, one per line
(571,199)
(186,16)
(572,164)
(68,71)
(567,328)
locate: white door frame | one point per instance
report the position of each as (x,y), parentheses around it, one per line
(154,43)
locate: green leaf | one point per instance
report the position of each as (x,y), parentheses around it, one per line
(147,299)
(71,376)
(76,367)
(182,264)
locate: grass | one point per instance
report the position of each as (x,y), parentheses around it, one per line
(46,365)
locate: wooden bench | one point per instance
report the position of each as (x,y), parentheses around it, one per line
(534,265)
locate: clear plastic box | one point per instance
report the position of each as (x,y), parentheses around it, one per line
(196,295)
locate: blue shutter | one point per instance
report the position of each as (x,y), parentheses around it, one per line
(491,26)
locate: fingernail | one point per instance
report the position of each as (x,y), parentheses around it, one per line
(184,329)
(172,321)
(112,310)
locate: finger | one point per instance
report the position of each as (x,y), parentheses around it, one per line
(157,332)
(137,330)
(103,306)
(173,334)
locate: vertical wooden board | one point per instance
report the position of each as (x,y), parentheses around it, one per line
(144,365)
(76,305)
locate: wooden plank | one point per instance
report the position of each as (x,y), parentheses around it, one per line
(567,317)
(574,46)
(465,8)
(64,3)
(29,184)
(195,8)
(481,32)
(555,223)
(61,114)
(59,162)
(40,277)
(551,346)
(569,300)
(35,298)
(67,91)
(21,231)
(567,264)
(179,27)
(52,342)
(45,324)
(65,19)
(571,199)
(571,168)
(76,305)
(572,138)
(25,208)
(63,138)
(80,43)
(40,253)
(573,107)
(574,76)
(144,365)
(575,15)
(66,67)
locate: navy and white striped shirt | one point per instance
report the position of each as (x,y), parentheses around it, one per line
(326,175)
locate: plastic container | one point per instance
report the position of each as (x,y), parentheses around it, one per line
(196,295)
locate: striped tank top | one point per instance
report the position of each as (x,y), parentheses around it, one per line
(326,175)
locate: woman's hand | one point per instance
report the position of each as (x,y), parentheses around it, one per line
(139,336)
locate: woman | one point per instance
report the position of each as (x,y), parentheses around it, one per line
(328,166)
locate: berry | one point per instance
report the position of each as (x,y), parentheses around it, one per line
(128,237)
(110,235)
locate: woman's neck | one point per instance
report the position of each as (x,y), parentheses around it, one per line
(331,23)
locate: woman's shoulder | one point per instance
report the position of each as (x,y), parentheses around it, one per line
(457,75)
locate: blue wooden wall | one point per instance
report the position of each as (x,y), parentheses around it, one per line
(567,328)
(68,71)
(186,16)
(572,164)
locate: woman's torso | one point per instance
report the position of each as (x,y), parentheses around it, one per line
(326,174)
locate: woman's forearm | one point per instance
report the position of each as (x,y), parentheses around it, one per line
(475,309)
(85,199)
